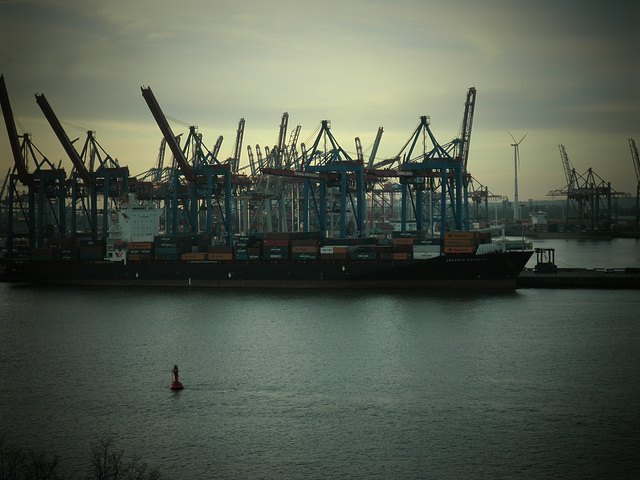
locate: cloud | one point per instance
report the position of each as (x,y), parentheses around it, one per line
(561,71)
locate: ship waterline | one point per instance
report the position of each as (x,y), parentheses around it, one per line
(497,270)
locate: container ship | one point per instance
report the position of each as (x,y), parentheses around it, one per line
(134,254)
(128,249)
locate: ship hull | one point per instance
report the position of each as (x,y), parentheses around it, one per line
(499,270)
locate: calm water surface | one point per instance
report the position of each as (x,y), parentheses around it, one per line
(588,253)
(280,384)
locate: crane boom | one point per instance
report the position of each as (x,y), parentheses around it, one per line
(259,155)
(282,138)
(23,174)
(251,160)
(64,139)
(165,128)
(636,164)
(292,153)
(238,149)
(467,124)
(295,134)
(374,150)
(216,147)
(567,166)
(636,159)
(359,150)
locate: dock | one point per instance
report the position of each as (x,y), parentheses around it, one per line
(620,278)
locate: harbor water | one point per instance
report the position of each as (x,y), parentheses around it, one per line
(331,384)
(615,253)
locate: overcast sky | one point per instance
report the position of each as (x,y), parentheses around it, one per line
(563,72)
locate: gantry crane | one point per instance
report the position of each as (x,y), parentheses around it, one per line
(273,192)
(636,166)
(445,175)
(479,196)
(440,170)
(345,174)
(200,180)
(46,186)
(109,179)
(588,197)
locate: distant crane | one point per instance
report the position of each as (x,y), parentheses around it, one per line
(516,152)
(237,151)
(359,154)
(282,138)
(570,174)
(252,164)
(569,171)
(292,152)
(588,198)
(636,164)
(374,150)
(216,147)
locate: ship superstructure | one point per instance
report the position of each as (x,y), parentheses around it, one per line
(131,223)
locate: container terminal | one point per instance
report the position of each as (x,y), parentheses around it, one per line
(312,213)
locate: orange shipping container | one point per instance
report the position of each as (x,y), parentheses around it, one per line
(304,249)
(403,241)
(459,242)
(470,235)
(459,249)
(193,256)
(141,245)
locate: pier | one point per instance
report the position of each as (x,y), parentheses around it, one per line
(581,278)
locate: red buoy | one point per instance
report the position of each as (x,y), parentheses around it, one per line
(176,385)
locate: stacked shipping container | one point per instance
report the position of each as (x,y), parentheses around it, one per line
(271,247)
(464,242)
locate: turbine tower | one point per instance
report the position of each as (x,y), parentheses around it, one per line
(516,159)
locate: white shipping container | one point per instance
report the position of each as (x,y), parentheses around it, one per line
(425,255)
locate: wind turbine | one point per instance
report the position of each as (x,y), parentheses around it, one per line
(516,159)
